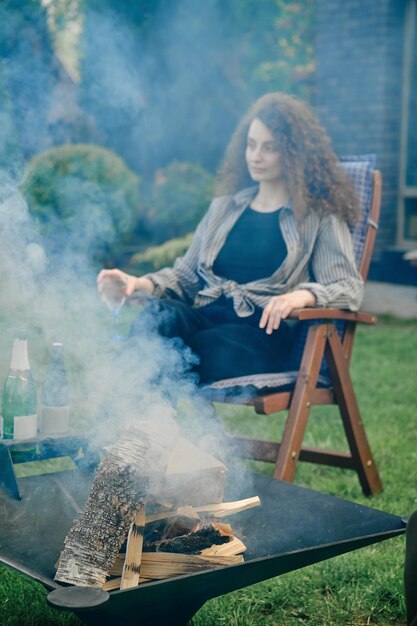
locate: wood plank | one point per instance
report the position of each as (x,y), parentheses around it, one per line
(234,547)
(352,420)
(348,339)
(112,584)
(217,510)
(264,450)
(296,423)
(333,314)
(373,221)
(160,565)
(268,403)
(133,559)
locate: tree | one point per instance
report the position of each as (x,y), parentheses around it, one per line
(28,69)
(10,155)
(168,80)
(84,200)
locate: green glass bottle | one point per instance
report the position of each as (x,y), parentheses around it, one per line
(19,401)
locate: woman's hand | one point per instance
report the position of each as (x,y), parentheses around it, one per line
(279,308)
(127,283)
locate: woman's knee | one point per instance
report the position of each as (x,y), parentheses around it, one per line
(155,317)
(168,318)
(218,358)
(229,352)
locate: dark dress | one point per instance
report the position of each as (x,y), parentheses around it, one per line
(228,345)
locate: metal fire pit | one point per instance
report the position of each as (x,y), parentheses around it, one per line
(293,528)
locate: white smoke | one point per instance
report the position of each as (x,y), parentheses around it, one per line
(111,384)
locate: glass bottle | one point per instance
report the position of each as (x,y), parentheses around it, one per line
(54,413)
(19,399)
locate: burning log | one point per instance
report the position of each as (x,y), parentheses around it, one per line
(193,542)
(194,557)
(185,521)
(225,550)
(135,465)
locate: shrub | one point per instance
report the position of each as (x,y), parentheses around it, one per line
(156,257)
(180,195)
(84,197)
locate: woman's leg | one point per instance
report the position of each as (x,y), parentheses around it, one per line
(169,318)
(225,350)
(230,350)
(165,327)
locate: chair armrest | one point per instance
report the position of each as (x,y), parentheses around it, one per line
(333,314)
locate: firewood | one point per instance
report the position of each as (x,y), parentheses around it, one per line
(223,529)
(218,510)
(180,525)
(191,543)
(215,554)
(161,565)
(136,463)
(236,546)
(163,504)
(112,584)
(188,511)
(131,568)
(185,522)
(193,476)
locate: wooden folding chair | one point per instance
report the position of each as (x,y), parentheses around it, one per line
(323,377)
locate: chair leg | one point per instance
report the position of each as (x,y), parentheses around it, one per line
(289,451)
(352,420)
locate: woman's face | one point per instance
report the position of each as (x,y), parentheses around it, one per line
(262,156)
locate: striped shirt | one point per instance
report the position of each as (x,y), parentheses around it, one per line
(319,258)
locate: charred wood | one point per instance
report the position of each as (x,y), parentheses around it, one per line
(191,543)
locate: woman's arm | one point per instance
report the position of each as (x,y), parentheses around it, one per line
(279,308)
(126,283)
(337,282)
(183,278)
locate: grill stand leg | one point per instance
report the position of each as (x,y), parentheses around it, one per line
(8,479)
(158,607)
(169,613)
(47,447)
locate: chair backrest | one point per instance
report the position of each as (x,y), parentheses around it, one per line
(367,183)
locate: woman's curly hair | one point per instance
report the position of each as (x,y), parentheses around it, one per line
(314,176)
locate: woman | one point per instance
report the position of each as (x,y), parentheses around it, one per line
(275,239)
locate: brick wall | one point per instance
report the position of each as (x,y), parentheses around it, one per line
(359,54)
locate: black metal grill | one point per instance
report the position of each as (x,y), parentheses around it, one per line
(293,528)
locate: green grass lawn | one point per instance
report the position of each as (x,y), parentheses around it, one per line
(361,588)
